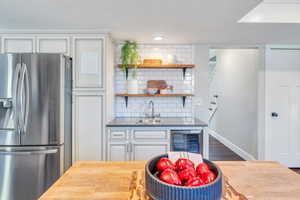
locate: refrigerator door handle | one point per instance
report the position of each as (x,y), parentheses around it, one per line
(15,98)
(33,152)
(26,99)
(21,96)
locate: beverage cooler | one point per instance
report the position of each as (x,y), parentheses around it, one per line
(187,140)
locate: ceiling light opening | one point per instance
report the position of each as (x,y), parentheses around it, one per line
(158,38)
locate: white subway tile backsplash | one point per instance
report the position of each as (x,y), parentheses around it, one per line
(166,106)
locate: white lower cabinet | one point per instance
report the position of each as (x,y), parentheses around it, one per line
(136,145)
(88,125)
(118,152)
(146,151)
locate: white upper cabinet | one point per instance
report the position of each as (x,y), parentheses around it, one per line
(90,54)
(88,62)
(53,45)
(18,44)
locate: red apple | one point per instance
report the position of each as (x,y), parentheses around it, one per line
(183,163)
(208,177)
(187,174)
(163,164)
(170,176)
(202,168)
(194,182)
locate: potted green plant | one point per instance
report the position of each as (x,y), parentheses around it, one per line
(130,56)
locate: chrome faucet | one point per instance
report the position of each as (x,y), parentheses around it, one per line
(151,105)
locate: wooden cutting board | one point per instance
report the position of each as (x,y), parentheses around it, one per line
(152,62)
(159,84)
(137,190)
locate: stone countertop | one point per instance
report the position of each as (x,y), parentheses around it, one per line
(165,122)
(111,180)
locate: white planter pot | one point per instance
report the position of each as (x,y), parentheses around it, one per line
(132,86)
(171,59)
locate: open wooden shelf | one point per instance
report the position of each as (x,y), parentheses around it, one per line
(163,66)
(183,96)
(154,95)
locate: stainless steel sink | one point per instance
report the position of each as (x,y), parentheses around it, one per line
(149,121)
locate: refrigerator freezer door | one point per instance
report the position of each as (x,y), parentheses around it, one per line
(28,172)
(42,99)
(9,116)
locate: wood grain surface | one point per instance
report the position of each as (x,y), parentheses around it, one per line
(154,95)
(111,181)
(152,62)
(163,66)
(137,188)
(159,84)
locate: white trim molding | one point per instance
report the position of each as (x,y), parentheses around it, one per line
(231,146)
(55,31)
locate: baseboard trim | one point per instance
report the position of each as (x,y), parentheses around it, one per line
(232,146)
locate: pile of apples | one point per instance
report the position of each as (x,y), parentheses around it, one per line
(184,173)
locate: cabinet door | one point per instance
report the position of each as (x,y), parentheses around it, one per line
(18,44)
(118,152)
(88,124)
(53,45)
(88,62)
(146,151)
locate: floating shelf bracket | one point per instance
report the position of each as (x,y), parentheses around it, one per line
(183,72)
(126,101)
(183,101)
(126,73)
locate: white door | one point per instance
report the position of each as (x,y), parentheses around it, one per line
(283,106)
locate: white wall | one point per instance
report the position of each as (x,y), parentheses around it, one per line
(261,105)
(201,100)
(236,82)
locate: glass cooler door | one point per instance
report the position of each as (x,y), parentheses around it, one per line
(187,140)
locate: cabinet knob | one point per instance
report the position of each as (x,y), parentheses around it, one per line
(274,114)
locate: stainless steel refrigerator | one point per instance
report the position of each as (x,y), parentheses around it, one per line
(35,123)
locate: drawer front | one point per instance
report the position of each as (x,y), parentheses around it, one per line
(118,134)
(150,134)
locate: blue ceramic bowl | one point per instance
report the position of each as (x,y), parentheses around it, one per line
(159,190)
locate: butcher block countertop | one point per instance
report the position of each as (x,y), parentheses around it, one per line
(111,180)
